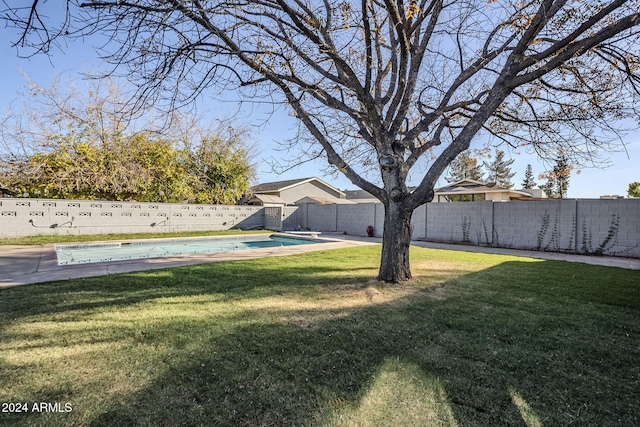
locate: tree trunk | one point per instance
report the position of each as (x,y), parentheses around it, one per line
(394,265)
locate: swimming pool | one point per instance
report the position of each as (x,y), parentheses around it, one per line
(124,251)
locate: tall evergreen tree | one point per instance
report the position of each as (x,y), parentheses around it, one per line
(499,170)
(562,171)
(528,181)
(465,167)
(549,188)
(558,179)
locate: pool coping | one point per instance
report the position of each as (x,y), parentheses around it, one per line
(29,265)
(169,240)
(23,265)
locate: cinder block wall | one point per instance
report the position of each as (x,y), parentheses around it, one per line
(322,217)
(28,217)
(378,227)
(614,226)
(354,219)
(583,226)
(610,227)
(456,222)
(520,224)
(418,222)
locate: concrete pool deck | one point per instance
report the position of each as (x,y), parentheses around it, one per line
(23,265)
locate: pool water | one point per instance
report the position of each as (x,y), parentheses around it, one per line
(116,251)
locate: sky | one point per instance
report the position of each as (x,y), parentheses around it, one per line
(271,128)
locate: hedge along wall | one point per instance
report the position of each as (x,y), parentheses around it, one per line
(609,227)
(28,217)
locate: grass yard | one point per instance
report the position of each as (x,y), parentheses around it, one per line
(55,238)
(473,340)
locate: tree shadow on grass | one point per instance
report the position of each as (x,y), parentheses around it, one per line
(538,355)
(230,280)
(510,345)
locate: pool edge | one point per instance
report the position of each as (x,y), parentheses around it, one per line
(49,271)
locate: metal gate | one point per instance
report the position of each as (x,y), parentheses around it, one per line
(281,218)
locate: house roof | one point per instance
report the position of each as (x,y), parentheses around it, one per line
(269,198)
(469,186)
(325,201)
(358,194)
(284,185)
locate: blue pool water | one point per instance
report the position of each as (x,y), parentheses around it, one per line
(115,251)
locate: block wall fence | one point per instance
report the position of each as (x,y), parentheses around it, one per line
(29,217)
(609,227)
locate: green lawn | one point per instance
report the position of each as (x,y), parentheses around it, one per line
(45,239)
(474,339)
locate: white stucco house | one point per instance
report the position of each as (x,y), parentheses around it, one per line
(315,191)
(466,190)
(469,190)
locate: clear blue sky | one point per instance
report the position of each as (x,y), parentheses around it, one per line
(278,127)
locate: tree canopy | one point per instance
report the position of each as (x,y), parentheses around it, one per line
(499,170)
(528,181)
(465,166)
(558,178)
(84,145)
(634,189)
(380,86)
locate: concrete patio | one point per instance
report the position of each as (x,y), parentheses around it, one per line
(23,265)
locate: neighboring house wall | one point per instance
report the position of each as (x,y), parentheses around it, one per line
(311,189)
(497,197)
(491,196)
(28,217)
(468,190)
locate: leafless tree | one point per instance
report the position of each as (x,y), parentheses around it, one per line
(378,83)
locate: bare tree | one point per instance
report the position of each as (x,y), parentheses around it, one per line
(377,83)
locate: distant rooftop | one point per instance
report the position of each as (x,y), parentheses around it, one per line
(283,185)
(279,185)
(471,186)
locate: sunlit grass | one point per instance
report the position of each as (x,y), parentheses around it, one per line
(313,339)
(62,238)
(400,394)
